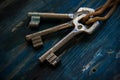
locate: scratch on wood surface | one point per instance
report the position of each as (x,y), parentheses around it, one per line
(94,68)
(110,51)
(17,26)
(98,55)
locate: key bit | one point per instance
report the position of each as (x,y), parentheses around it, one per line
(35,20)
(79,28)
(51,58)
(37,41)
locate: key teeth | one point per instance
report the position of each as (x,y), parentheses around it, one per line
(35,20)
(37,42)
(52,59)
(55,62)
(27,38)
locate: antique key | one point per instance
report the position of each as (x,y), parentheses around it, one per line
(36,37)
(35,17)
(79,28)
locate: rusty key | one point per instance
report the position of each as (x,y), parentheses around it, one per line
(36,37)
(35,17)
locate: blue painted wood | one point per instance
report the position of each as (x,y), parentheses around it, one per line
(94,57)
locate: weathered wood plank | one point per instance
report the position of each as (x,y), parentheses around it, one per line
(94,57)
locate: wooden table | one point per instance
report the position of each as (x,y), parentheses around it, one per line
(94,57)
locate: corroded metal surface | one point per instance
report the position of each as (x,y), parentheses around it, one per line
(95,57)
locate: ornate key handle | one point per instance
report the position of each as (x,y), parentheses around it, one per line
(79,27)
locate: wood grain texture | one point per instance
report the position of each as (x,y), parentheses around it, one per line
(94,57)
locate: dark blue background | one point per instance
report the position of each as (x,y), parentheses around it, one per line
(94,57)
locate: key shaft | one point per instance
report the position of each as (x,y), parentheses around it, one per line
(49,30)
(51,15)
